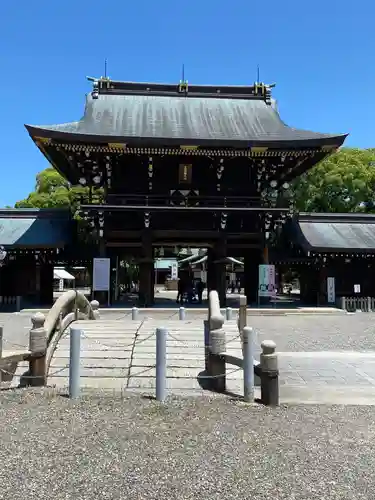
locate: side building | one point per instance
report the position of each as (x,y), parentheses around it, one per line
(319,246)
(32,242)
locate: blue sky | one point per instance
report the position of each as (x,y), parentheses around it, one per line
(320,54)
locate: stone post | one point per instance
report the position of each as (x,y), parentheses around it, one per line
(206,326)
(1,341)
(217,344)
(95,308)
(269,374)
(216,360)
(38,348)
(1,350)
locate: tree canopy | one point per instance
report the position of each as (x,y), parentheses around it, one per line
(52,190)
(343,182)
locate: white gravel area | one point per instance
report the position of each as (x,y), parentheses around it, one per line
(106,447)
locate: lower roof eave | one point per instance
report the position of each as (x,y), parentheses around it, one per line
(58,136)
(341,251)
(16,246)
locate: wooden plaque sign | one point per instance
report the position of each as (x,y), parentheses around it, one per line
(184,173)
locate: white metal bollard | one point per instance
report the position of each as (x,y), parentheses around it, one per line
(248,364)
(228,313)
(181,314)
(74,362)
(135,312)
(161,364)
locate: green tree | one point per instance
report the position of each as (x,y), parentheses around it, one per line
(343,182)
(52,190)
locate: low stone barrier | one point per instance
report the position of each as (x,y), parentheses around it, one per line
(355,303)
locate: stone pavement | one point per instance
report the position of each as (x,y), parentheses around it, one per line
(322,358)
(120,355)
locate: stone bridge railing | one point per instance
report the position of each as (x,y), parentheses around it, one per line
(70,306)
(217,358)
(45,335)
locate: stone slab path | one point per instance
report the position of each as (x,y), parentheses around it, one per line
(120,355)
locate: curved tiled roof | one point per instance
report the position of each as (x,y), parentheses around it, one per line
(335,232)
(33,228)
(180,119)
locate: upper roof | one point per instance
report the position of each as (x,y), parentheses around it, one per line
(34,228)
(335,232)
(129,112)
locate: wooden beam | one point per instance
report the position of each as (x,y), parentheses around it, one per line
(123,244)
(171,208)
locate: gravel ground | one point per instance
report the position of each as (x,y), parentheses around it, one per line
(106,448)
(347,332)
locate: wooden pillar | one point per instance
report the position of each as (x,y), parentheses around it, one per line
(265,255)
(322,298)
(220,254)
(46,284)
(309,285)
(37,280)
(210,270)
(146,272)
(253,258)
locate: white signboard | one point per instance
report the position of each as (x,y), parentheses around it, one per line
(267,280)
(331,290)
(174,271)
(101,274)
(357,288)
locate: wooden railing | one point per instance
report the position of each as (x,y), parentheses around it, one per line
(189,200)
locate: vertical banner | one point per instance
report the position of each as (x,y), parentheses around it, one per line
(267,275)
(174,271)
(331,290)
(101,274)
